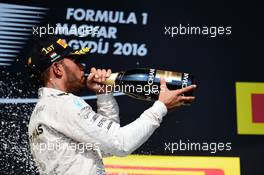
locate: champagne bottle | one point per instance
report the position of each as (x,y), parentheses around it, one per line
(144,84)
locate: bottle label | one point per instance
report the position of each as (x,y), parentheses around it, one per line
(169,76)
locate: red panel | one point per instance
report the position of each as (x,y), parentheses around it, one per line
(257,108)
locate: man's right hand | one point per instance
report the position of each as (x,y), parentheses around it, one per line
(95,80)
(174,98)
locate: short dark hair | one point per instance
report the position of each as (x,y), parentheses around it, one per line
(39,79)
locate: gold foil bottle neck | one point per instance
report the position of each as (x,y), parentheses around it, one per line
(111,80)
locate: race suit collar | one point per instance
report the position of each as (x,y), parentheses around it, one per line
(45,91)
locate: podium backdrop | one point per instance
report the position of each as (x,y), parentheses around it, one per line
(218,42)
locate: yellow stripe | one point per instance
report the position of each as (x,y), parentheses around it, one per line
(230,165)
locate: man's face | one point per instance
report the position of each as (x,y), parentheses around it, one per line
(74,75)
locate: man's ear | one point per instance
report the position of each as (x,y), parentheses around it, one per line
(57,69)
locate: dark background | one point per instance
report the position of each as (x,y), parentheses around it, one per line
(217,63)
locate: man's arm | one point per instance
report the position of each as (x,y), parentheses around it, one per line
(106,103)
(86,126)
(107,106)
(83,125)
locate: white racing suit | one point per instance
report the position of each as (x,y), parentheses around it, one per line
(67,137)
